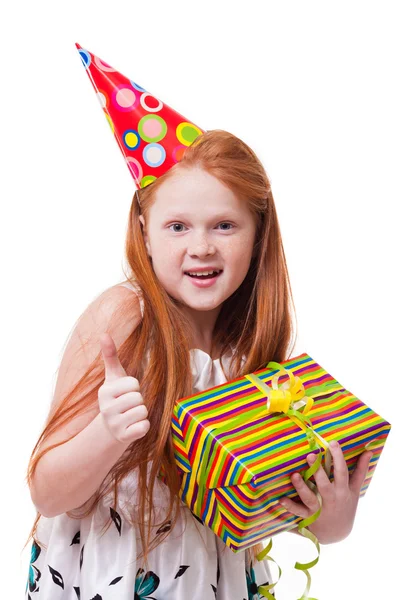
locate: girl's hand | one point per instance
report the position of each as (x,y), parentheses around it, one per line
(121,403)
(339,497)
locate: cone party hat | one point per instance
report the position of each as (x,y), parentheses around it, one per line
(152,136)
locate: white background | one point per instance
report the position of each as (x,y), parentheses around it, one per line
(313,88)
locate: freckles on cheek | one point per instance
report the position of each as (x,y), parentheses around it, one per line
(238,248)
(167,259)
(168,256)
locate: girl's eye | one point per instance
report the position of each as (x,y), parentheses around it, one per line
(180,224)
(173,224)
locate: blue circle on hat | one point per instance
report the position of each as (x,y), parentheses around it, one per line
(86,58)
(137,87)
(131,139)
(154,154)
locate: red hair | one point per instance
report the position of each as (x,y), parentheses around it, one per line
(256,320)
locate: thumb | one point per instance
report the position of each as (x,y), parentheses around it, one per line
(112,365)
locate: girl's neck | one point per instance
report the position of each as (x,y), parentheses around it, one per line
(214,353)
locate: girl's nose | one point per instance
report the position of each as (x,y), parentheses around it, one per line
(201,246)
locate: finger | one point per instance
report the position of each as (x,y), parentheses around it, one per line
(306,495)
(340,468)
(322,480)
(112,365)
(296,508)
(360,472)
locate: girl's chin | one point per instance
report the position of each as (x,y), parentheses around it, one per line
(204,305)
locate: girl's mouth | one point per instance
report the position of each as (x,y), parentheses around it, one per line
(204,280)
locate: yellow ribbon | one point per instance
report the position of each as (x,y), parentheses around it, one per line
(290,398)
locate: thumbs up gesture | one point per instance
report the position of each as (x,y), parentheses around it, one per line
(120,401)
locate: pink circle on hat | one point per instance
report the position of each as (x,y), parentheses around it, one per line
(135,167)
(103,66)
(152,128)
(124,98)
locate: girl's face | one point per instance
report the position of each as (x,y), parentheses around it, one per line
(196,221)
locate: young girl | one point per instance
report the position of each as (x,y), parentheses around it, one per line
(102,475)
(164,334)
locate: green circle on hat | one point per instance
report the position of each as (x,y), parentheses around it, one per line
(152,128)
(146,180)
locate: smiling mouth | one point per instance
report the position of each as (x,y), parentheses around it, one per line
(213,275)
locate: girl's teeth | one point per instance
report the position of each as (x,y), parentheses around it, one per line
(204,274)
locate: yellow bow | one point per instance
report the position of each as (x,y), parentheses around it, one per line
(290,398)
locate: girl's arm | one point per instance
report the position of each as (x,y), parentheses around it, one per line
(67,476)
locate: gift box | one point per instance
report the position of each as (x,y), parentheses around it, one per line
(237,444)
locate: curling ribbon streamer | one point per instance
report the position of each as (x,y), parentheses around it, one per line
(288,399)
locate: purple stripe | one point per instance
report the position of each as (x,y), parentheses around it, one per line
(363,431)
(280,466)
(232,509)
(318,397)
(312,382)
(261,495)
(306,369)
(194,496)
(213,513)
(338,413)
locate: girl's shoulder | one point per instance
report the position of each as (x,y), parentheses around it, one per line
(128,284)
(134,287)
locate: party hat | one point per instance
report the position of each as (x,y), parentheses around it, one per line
(152,136)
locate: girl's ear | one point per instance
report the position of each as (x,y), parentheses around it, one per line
(145,236)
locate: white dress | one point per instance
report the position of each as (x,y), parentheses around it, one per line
(191,564)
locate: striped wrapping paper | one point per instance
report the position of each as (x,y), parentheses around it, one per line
(250,454)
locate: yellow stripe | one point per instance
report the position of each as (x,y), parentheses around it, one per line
(209,512)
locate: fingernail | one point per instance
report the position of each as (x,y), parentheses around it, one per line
(334,444)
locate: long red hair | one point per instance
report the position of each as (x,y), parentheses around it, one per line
(256,320)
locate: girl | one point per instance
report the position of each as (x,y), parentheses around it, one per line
(108,525)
